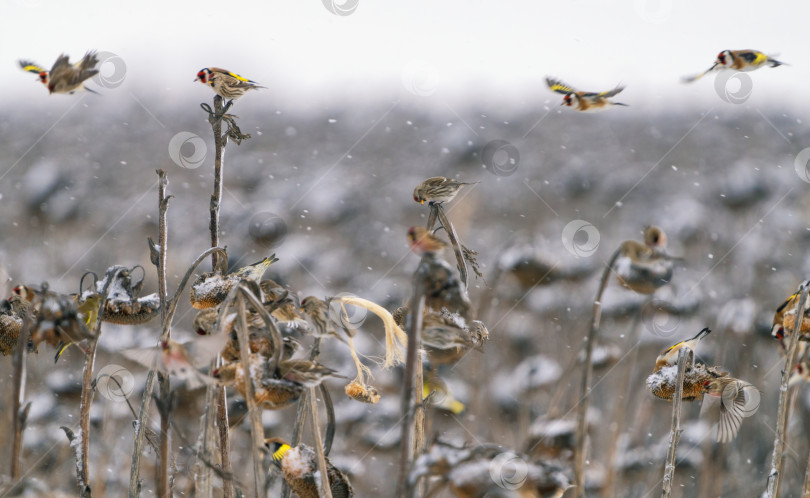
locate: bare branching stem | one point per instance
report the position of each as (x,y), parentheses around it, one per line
(164,387)
(216,197)
(781,416)
(675,430)
(582,408)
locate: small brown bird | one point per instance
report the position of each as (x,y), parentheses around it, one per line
(584,101)
(645,267)
(299,465)
(274,391)
(438,190)
(446,337)
(423,242)
(226,84)
(210,289)
(281,304)
(11,319)
(318,315)
(65,77)
(737,60)
(182,360)
(800,374)
(670,355)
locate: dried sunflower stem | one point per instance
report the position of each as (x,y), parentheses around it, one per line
(216,198)
(461,263)
(18,393)
(301,414)
(582,408)
(806,486)
(675,430)
(781,416)
(164,388)
(254,413)
(410,389)
(83,456)
(326,490)
(170,308)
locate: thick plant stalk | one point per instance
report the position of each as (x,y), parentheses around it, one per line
(451,234)
(164,487)
(326,490)
(582,408)
(216,197)
(83,449)
(18,393)
(254,412)
(675,431)
(410,389)
(806,486)
(781,416)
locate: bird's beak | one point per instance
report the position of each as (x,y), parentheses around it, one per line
(422,202)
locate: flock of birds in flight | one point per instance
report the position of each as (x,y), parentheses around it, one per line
(65,77)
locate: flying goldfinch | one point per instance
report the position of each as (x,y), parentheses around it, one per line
(210,289)
(437,190)
(226,84)
(584,101)
(738,398)
(299,466)
(737,60)
(670,355)
(65,77)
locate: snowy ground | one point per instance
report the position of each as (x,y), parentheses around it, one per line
(336,185)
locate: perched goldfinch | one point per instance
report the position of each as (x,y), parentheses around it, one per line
(299,466)
(645,267)
(442,396)
(437,190)
(65,77)
(584,101)
(210,289)
(226,84)
(789,305)
(737,60)
(670,356)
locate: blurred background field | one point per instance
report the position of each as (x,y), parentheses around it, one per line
(326,183)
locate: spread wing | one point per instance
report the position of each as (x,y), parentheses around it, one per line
(609,93)
(88,62)
(31,67)
(62,62)
(559,87)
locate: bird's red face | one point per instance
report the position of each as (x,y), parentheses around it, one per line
(568,100)
(43,77)
(721,58)
(412,234)
(164,345)
(202,76)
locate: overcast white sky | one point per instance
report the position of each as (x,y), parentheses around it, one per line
(461,48)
